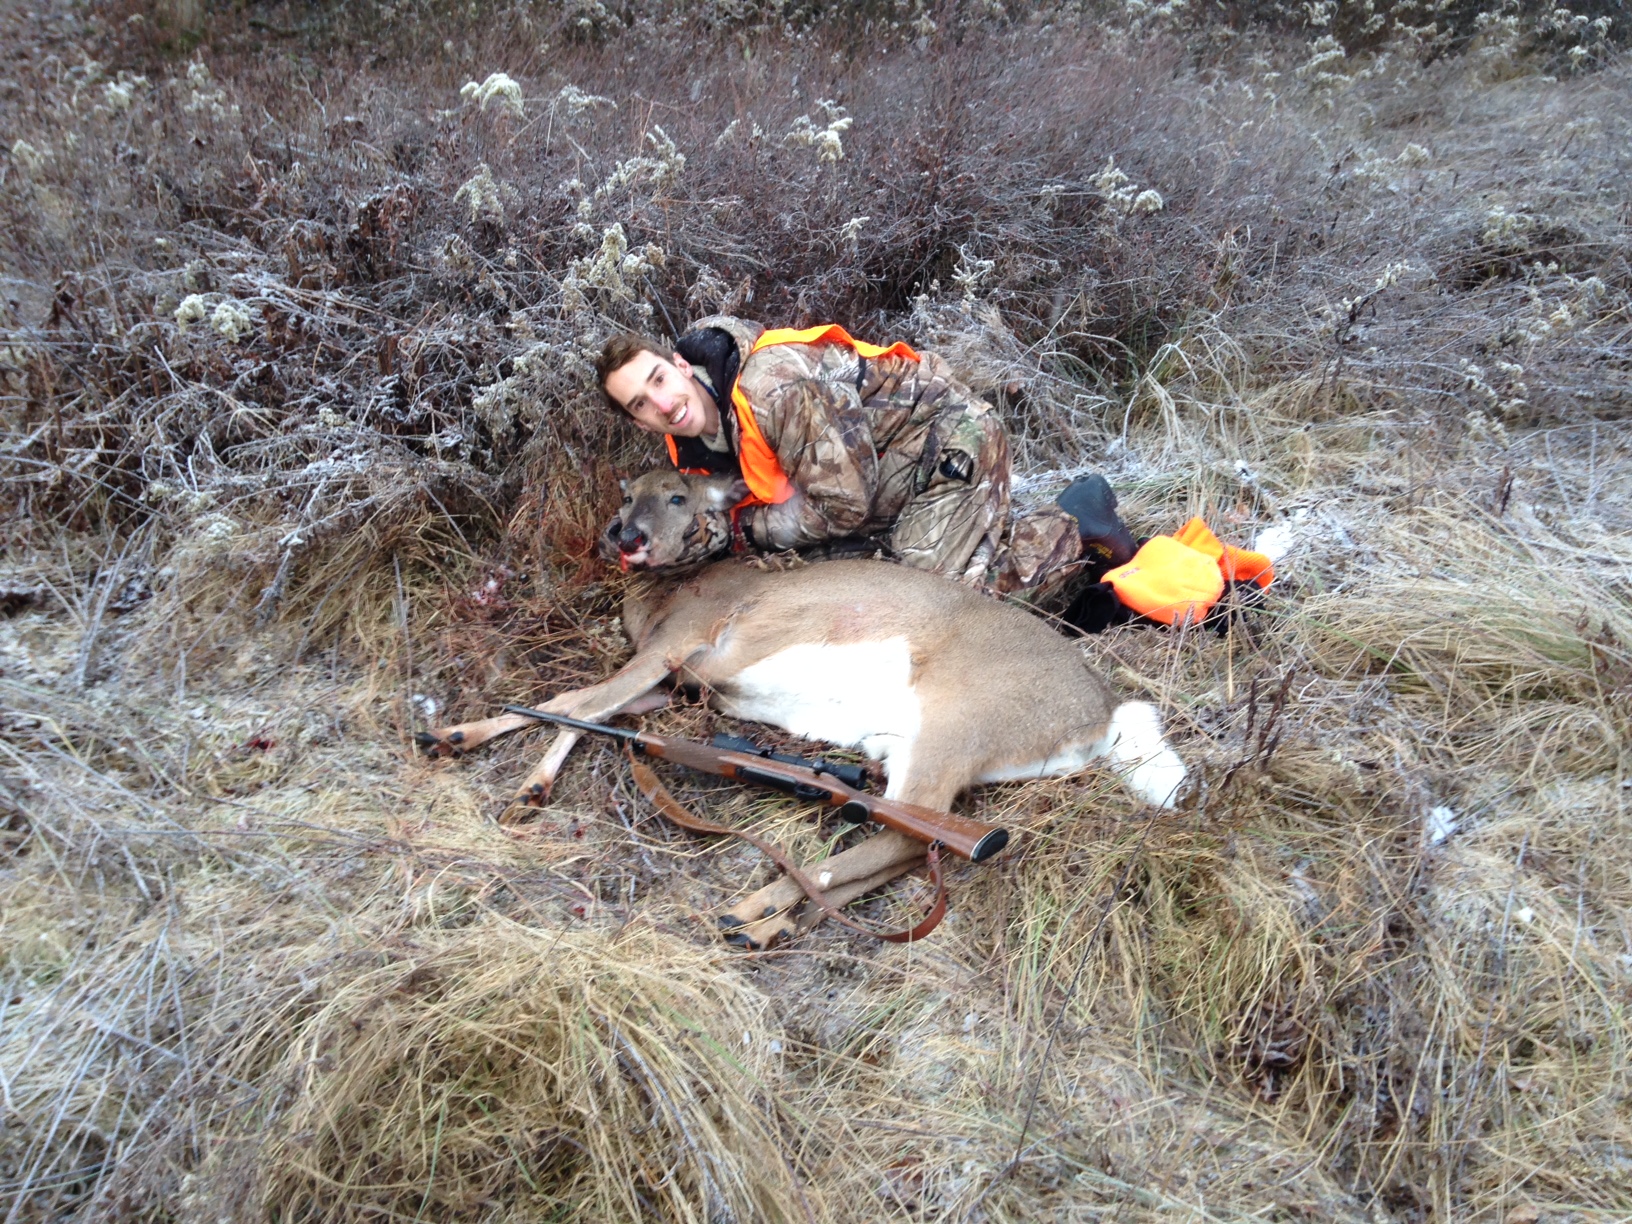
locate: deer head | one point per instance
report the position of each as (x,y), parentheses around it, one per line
(671,521)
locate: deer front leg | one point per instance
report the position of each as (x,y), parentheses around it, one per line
(458,740)
(630,689)
(768,914)
(536,789)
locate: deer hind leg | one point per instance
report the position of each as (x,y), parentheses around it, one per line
(930,779)
(1140,753)
(774,912)
(802,916)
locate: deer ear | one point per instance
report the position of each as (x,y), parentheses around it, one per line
(724,493)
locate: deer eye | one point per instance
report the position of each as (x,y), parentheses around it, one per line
(628,501)
(679,499)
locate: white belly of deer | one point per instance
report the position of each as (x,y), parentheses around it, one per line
(859,695)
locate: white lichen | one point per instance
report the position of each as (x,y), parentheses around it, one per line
(217,527)
(614,275)
(969,273)
(1143,17)
(483,193)
(1506,229)
(27,156)
(1323,70)
(1122,193)
(207,96)
(232,320)
(193,309)
(575,101)
(118,95)
(827,140)
(498,86)
(662,170)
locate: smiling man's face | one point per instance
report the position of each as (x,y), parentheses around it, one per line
(662,397)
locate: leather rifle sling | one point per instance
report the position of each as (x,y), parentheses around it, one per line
(653,789)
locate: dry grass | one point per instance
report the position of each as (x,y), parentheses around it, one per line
(257,962)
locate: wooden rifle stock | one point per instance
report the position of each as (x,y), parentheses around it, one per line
(970,839)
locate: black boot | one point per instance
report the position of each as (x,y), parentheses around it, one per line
(1105,541)
(1096,608)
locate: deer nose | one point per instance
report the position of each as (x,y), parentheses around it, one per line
(631,539)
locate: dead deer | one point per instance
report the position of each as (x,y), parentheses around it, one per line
(944,685)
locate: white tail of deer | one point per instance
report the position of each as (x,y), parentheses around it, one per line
(948,688)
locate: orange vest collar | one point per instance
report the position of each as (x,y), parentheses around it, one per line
(768,484)
(831,333)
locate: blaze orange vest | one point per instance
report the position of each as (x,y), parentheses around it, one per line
(768,484)
(1177,579)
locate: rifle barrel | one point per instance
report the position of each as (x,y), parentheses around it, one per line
(970,839)
(577,724)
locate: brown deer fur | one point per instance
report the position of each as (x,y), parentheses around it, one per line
(946,686)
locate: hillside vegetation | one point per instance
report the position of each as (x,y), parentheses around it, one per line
(300,453)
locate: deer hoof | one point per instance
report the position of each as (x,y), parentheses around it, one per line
(432,744)
(730,922)
(766,933)
(534,796)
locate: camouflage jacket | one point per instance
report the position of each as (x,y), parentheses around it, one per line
(855,437)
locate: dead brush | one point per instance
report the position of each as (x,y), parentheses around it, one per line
(1376,969)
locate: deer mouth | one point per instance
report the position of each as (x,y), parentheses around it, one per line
(636,559)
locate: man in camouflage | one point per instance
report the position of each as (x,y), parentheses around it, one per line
(886,447)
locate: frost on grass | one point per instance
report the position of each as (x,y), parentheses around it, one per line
(407,422)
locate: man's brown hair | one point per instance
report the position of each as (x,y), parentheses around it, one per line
(618,352)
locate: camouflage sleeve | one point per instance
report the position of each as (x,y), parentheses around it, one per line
(821,434)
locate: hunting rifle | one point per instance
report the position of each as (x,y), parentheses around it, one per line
(970,839)
(853,776)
